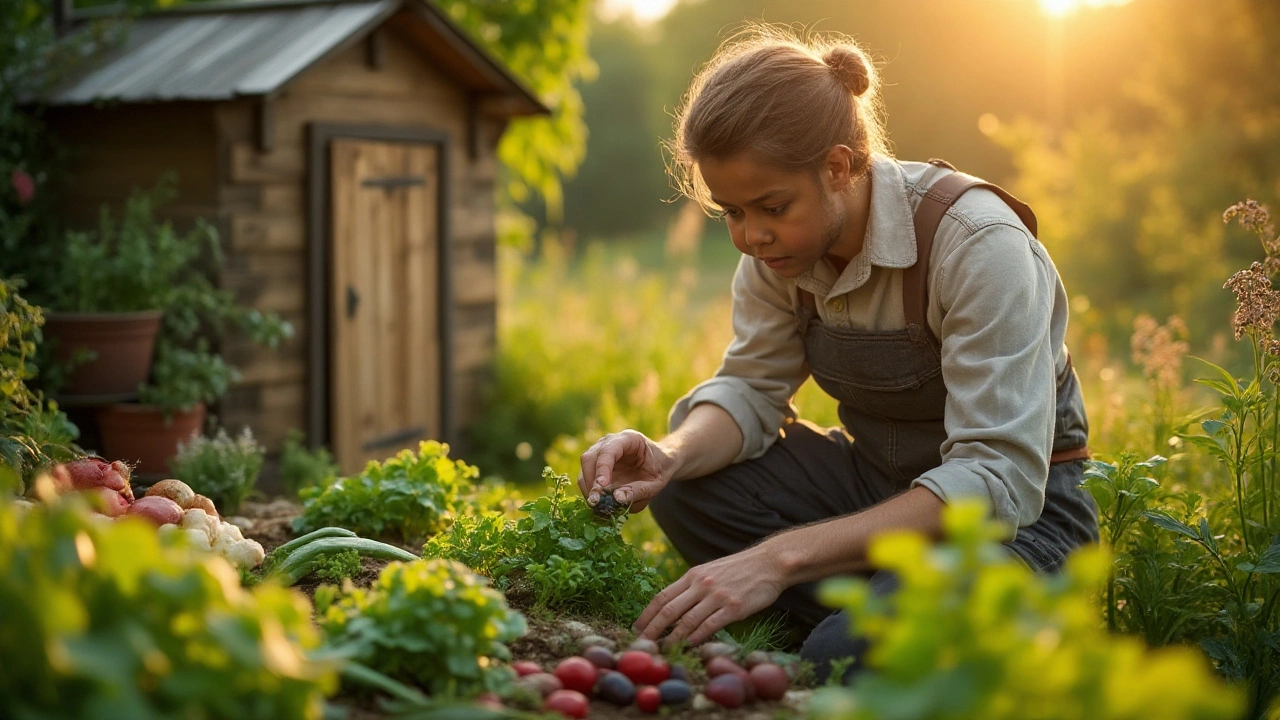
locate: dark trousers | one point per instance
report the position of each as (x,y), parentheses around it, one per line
(811,475)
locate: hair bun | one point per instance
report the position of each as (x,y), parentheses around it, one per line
(850,67)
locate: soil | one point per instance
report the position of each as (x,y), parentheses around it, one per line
(549,640)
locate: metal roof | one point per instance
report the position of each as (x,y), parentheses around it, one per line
(225,50)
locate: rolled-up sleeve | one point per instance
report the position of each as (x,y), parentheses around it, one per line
(763,366)
(995,293)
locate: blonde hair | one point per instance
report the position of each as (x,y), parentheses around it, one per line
(785,98)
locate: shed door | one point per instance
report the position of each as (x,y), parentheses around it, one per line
(385,333)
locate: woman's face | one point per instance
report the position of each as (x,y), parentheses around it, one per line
(789,220)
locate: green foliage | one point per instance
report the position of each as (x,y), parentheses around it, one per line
(407,498)
(106,620)
(222,468)
(301,467)
(973,633)
(339,566)
(33,432)
(432,623)
(561,555)
(545,44)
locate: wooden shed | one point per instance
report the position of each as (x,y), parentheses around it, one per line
(346,152)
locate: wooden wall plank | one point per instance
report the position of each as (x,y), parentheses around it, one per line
(253,232)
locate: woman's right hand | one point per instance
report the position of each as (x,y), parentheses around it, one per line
(630,464)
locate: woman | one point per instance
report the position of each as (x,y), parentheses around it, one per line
(917,297)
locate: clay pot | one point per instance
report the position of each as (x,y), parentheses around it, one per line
(123,343)
(139,434)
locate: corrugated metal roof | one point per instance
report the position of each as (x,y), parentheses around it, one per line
(221,56)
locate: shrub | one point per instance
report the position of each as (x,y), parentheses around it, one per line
(106,620)
(433,623)
(972,633)
(222,468)
(408,497)
(303,468)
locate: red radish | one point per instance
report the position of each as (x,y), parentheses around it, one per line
(569,703)
(159,510)
(721,665)
(648,698)
(635,665)
(770,681)
(726,690)
(107,501)
(659,670)
(526,667)
(577,673)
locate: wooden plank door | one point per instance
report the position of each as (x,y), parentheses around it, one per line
(384,318)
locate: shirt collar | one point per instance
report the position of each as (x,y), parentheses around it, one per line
(890,241)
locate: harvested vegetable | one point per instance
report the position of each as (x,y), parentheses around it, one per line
(175,490)
(159,510)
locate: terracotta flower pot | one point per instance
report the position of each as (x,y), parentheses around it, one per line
(139,434)
(123,342)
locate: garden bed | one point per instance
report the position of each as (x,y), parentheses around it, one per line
(548,640)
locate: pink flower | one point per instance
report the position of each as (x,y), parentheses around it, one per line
(23,185)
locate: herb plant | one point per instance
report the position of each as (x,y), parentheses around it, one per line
(303,468)
(972,633)
(561,555)
(106,620)
(222,468)
(407,498)
(432,623)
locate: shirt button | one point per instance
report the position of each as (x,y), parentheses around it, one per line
(838,304)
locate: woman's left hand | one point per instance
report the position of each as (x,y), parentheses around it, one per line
(710,596)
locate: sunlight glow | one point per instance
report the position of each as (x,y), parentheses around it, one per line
(644,11)
(1059,8)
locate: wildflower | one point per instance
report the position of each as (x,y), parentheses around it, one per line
(1258,305)
(1255,217)
(24,186)
(1159,349)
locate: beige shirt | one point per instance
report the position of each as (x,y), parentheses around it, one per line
(995,301)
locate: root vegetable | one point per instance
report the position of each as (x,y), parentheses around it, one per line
(108,501)
(175,490)
(203,503)
(246,554)
(159,510)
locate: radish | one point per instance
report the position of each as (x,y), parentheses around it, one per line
(159,510)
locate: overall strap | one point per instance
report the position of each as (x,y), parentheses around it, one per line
(933,206)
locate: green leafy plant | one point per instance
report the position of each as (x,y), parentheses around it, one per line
(339,566)
(33,432)
(972,633)
(108,620)
(561,555)
(301,467)
(408,497)
(432,623)
(222,468)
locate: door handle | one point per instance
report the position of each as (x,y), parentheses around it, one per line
(353,302)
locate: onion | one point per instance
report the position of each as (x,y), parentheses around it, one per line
(159,510)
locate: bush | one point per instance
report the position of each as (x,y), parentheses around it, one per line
(103,620)
(221,468)
(433,623)
(972,633)
(303,468)
(408,497)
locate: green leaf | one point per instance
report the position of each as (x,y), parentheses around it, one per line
(573,544)
(1268,560)
(1166,521)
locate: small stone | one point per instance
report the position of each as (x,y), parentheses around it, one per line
(675,692)
(715,649)
(599,656)
(679,673)
(617,689)
(756,658)
(702,703)
(644,645)
(576,629)
(797,698)
(597,641)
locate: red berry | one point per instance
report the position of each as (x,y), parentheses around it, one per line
(569,703)
(635,665)
(648,698)
(577,673)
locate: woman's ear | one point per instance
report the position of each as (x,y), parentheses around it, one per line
(838,170)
